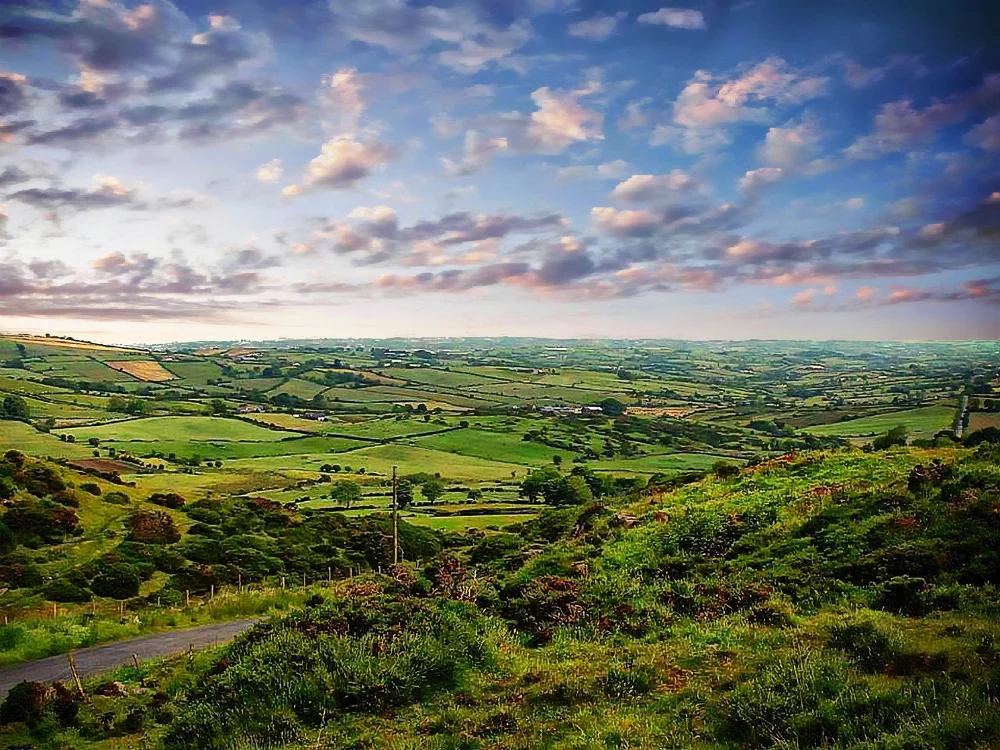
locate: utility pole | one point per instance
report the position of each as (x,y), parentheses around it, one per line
(395,518)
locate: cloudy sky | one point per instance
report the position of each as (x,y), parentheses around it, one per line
(723,169)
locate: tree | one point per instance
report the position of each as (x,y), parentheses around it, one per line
(346,492)
(432,490)
(557,459)
(612,407)
(572,490)
(725,470)
(895,436)
(404,493)
(14,407)
(533,486)
(218,406)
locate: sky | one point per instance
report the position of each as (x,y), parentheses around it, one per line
(256,169)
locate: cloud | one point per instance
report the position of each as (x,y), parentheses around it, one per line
(342,90)
(270,171)
(866,292)
(611,170)
(477,154)
(857,76)
(791,145)
(986,135)
(15,174)
(13,94)
(107,192)
(707,103)
(634,116)
(471,41)
(756,180)
(641,188)
(597,28)
(804,298)
(558,122)
(899,126)
(377,237)
(624,223)
(676,18)
(342,163)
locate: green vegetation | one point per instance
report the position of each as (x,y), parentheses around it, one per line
(735,545)
(824,600)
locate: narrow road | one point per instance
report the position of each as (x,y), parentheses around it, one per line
(101,659)
(960,424)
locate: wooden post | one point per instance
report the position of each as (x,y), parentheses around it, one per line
(329,574)
(303,580)
(212,592)
(138,670)
(76,676)
(282,583)
(55,611)
(239,581)
(187,597)
(395,518)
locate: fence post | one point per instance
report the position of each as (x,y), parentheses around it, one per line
(76,677)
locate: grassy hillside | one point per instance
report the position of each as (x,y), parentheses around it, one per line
(837,600)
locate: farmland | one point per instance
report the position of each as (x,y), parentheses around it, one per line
(473,412)
(201,483)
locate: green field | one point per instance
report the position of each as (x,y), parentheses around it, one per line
(498,446)
(154,429)
(197,373)
(920,423)
(24,437)
(666,463)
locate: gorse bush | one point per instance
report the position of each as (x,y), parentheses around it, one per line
(356,654)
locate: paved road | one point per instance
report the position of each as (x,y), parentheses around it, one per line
(960,424)
(101,659)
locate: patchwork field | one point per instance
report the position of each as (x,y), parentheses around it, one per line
(466,413)
(148,371)
(921,423)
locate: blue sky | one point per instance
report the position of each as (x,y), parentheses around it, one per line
(256,169)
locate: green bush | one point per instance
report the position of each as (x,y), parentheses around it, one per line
(367,655)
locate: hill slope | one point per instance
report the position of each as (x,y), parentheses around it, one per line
(841,600)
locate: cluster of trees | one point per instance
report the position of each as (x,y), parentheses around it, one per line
(121,405)
(14,407)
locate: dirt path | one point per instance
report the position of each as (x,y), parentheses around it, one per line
(101,659)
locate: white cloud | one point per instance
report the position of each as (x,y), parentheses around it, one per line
(648,187)
(270,171)
(791,145)
(677,18)
(612,170)
(342,90)
(757,179)
(627,223)
(986,134)
(479,150)
(342,163)
(598,28)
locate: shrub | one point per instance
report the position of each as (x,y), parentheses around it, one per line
(25,703)
(91,488)
(117,498)
(116,580)
(374,654)
(66,592)
(152,528)
(167,500)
